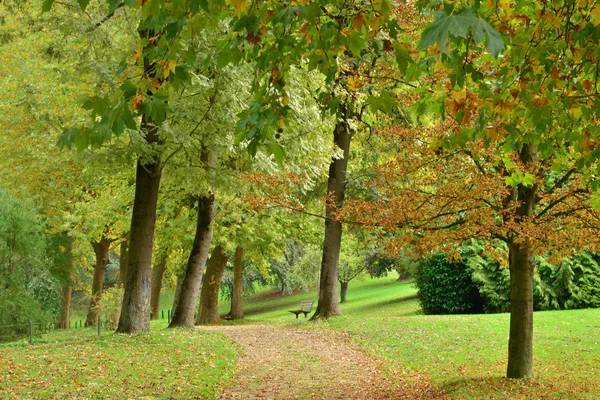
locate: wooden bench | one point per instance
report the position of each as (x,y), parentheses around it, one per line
(305,308)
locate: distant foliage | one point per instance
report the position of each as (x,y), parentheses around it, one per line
(28,291)
(447,288)
(253,279)
(298,269)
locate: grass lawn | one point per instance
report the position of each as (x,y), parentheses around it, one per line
(464,354)
(174,363)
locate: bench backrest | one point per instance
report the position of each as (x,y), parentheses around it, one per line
(307,304)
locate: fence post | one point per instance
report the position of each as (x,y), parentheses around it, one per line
(99,322)
(162,312)
(169,316)
(30,333)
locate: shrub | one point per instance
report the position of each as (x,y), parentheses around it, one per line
(446,288)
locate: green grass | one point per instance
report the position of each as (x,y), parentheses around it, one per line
(465,355)
(173,363)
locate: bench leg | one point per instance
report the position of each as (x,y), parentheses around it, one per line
(297,315)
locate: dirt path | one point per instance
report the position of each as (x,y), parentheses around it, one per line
(288,363)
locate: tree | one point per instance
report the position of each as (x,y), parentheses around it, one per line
(211,282)
(352,265)
(237,298)
(530,110)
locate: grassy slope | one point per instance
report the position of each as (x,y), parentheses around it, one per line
(465,354)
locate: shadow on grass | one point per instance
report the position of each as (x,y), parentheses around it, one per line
(388,303)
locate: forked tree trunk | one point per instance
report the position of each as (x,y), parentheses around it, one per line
(520,342)
(64,317)
(336,184)
(343,291)
(211,282)
(101,249)
(187,298)
(157,275)
(237,300)
(183,315)
(135,311)
(124,251)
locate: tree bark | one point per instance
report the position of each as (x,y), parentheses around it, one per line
(343,291)
(187,298)
(237,300)
(211,283)
(328,286)
(64,317)
(176,296)
(190,286)
(157,275)
(124,251)
(101,249)
(520,342)
(135,311)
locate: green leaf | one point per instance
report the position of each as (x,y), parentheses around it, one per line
(83,4)
(47,5)
(458,26)
(446,25)
(277,151)
(356,43)
(113,5)
(129,90)
(481,30)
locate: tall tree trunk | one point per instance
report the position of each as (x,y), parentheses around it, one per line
(343,291)
(211,282)
(237,300)
(520,342)
(176,296)
(135,311)
(336,184)
(124,251)
(157,275)
(101,249)
(192,278)
(64,317)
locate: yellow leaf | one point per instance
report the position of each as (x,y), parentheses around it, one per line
(285,100)
(354,83)
(240,6)
(596,15)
